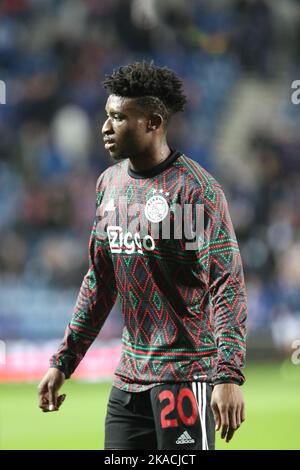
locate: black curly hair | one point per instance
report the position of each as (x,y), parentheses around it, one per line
(158,89)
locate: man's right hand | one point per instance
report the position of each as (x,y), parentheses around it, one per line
(49,400)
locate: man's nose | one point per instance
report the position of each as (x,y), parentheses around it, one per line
(107,127)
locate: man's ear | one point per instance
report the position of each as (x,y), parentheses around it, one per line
(155,121)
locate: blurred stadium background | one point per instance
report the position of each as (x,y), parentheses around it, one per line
(238,59)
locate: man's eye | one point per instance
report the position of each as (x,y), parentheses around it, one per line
(116,117)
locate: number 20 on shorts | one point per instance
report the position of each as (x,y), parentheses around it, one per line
(172,405)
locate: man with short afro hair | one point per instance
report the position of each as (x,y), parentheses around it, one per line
(163,242)
(156,87)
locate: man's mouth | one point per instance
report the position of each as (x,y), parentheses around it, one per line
(108,143)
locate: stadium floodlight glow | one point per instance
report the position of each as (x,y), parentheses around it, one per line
(2,92)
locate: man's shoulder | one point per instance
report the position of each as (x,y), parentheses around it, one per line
(201,179)
(111,172)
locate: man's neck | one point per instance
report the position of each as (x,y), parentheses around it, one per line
(150,159)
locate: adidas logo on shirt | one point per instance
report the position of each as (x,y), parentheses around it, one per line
(185,438)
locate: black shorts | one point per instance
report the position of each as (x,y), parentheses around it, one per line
(168,416)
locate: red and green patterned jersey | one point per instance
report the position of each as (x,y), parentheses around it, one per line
(181,289)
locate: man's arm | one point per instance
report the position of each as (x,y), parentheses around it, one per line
(228,308)
(96,298)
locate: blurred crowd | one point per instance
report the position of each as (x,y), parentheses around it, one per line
(53,56)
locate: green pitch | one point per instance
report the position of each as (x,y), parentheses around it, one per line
(273,414)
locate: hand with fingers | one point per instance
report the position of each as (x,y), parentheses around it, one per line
(228,407)
(49,400)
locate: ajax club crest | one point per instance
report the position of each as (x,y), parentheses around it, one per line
(156,208)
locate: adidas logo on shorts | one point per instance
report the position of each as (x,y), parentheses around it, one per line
(185,438)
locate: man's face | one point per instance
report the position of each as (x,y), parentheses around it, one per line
(125,131)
